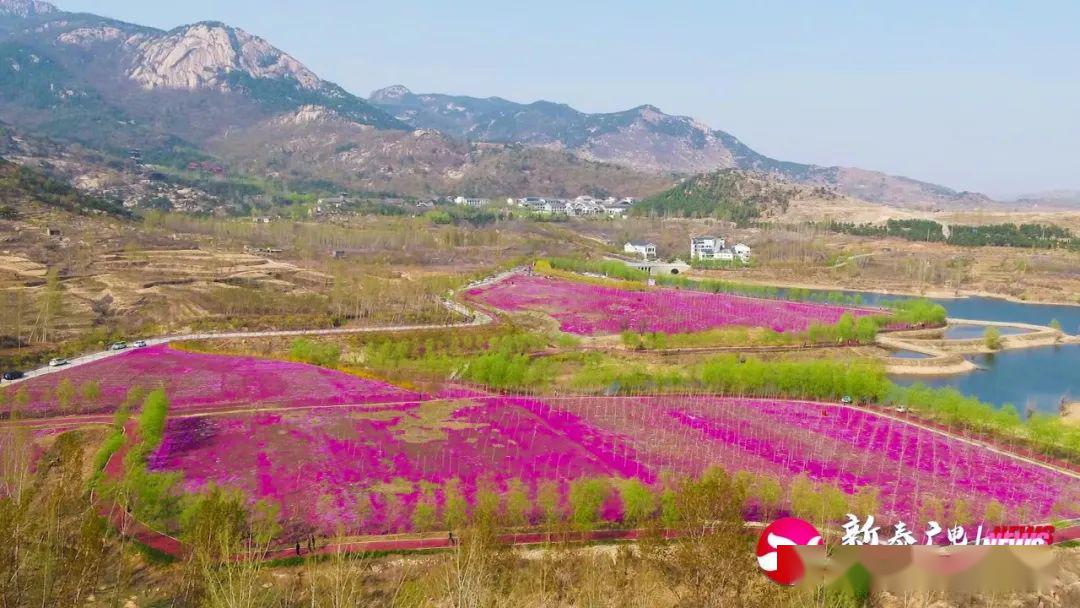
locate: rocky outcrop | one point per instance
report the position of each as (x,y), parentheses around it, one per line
(25,8)
(201,55)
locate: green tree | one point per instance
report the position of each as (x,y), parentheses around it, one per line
(455,508)
(992,338)
(587,496)
(65,392)
(518,506)
(424,513)
(91,392)
(549,499)
(638,502)
(994,512)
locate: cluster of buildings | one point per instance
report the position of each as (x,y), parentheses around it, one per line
(582,206)
(704,248)
(710,248)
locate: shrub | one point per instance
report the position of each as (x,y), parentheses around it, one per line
(323,354)
(587,497)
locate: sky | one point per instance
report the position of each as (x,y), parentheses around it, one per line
(975,95)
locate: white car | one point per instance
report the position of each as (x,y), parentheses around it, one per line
(58,362)
(139,344)
(901,410)
(118,346)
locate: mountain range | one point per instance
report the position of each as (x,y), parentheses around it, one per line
(211,91)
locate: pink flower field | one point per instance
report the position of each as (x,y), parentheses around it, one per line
(585,309)
(194,380)
(364,467)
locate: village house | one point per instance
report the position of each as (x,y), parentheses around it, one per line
(554,205)
(471,202)
(705,247)
(644,249)
(711,248)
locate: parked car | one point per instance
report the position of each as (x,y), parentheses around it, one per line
(13,375)
(846,400)
(118,346)
(901,410)
(139,344)
(58,362)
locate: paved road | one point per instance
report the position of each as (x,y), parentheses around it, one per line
(477,317)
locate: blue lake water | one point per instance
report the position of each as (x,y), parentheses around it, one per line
(1039,377)
(967,332)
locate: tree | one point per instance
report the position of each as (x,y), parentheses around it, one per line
(518,506)
(638,501)
(455,508)
(549,499)
(587,496)
(53,548)
(91,392)
(994,513)
(51,302)
(424,513)
(992,338)
(65,392)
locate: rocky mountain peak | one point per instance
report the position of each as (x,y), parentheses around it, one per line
(202,55)
(26,8)
(390,94)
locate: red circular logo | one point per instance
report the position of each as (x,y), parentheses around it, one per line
(785,567)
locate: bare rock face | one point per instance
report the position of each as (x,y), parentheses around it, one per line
(88,36)
(25,8)
(201,55)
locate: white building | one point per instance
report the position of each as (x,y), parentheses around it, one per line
(705,247)
(471,202)
(644,249)
(715,248)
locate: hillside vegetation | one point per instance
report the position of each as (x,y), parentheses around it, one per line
(20,185)
(728,195)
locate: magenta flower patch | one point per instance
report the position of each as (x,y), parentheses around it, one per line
(365,468)
(195,381)
(586,309)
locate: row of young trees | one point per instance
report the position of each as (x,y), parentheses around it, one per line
(1039,236)
(847,330)
(56,550)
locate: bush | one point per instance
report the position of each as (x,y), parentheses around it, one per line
(323,354)
(587,497)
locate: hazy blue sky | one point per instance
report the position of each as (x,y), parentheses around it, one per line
(972,94)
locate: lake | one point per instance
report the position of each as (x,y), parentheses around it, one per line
(1039,377)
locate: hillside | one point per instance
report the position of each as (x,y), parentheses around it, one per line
(315,143)
(115,85)
(212,92)
(646,139)
(22,188)
(728,194)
